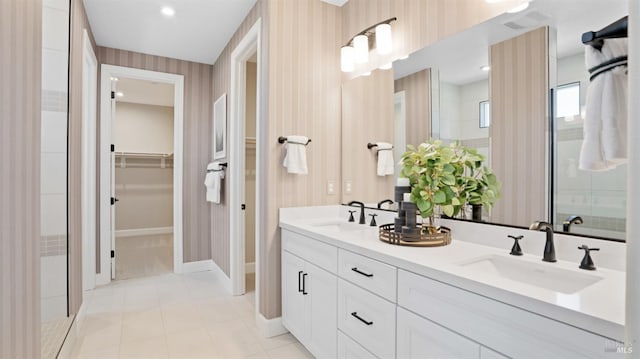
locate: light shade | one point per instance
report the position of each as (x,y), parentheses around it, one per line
(347,59)
(361,47)
(383,39)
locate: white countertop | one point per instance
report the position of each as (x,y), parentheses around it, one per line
(598,308)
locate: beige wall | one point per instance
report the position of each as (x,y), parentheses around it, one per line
(518,95)
(79,22)
(146,196)
(197,141)
(364,122)
(20,69)
(417,88)
(143,128)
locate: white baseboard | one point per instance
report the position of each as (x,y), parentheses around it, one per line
(270,327)
(199,266)
(143,232)
(250,267)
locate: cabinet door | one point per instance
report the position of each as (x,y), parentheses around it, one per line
(321,308)
(349,349)
(293,311)
(421,338)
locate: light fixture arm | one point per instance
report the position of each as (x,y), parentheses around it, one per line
(368,31)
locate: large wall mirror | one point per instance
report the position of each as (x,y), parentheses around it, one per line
(489,87)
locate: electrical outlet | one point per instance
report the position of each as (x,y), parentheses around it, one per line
(331,187)
(347,187)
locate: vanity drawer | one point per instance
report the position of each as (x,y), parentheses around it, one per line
(321,254)
(368,319)
(349,349)
(378,277)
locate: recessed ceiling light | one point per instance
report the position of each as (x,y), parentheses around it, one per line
(168,11)
(120,94)
(485,68)
(386,66)
(519,8)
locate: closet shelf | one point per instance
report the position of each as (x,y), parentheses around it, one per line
(144,155)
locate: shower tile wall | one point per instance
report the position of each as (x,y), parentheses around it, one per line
(53,243)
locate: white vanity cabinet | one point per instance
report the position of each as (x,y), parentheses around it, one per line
(345,303)
(309,295)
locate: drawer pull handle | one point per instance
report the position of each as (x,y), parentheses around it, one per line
(355,314)
(355,269)
(299,282)
(304,284)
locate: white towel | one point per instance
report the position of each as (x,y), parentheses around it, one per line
(605,125)
(386,164)
(296,158)
(213,181)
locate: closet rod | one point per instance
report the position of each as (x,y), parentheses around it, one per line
(616,29)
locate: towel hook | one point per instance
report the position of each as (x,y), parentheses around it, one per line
(371,145)
(283,139)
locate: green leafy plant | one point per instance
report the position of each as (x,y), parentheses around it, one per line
(481,187)
(445,178)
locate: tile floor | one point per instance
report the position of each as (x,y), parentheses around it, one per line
(143,256)
(175,316)
(53,333)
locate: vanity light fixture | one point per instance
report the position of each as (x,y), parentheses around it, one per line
(356,50)
(168,11)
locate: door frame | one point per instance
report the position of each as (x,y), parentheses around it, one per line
(107,72)
(248,45)
(89,171)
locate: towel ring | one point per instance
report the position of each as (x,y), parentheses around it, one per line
(283,139)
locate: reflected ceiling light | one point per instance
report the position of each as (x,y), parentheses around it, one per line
(519,8)
(383,39)
(168,11)
(404,57)
(361,47)
(356,50)
(120,94)
(347,61)
(485,68)
(386,66)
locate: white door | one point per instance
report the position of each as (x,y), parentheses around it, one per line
(293,298)
(421,338)
(112,187)
(321,308)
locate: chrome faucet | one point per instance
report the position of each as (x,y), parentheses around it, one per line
(383,202)
(566,225)
(549,254)
(362,221)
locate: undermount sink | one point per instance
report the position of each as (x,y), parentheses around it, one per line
(338,226)
(537,274)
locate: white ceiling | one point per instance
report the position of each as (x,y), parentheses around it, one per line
(145,92)
(460,57)
(199,30)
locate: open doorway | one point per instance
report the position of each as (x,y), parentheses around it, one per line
(147,162)
(143,138)
(251,72)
